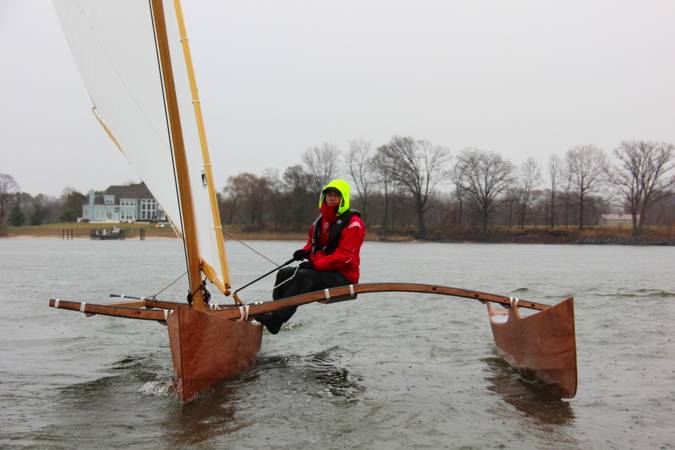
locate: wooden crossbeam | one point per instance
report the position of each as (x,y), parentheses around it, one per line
(139,309)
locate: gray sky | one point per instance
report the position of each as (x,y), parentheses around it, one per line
(522,78)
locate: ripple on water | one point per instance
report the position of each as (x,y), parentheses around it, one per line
(395,371)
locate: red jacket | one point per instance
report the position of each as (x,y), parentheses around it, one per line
(345,259)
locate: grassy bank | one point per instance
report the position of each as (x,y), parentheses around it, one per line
(561,235)
(133,230)
(82,230)
(528,235)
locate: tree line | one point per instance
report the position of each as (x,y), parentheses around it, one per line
(413,187)
(20,208)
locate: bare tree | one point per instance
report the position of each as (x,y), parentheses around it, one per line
(486,175)
(321,161)
(250,192)
(231,198)
(8,186)
(301,197)
(587,165)
(509,201)
(530,179)
(643,176)
(457,178)
(359,163)
(418,166)
(554,175)
(384,179)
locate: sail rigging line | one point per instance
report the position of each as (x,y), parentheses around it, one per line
(295,272)
(249,247)
(154,296)
(234,294)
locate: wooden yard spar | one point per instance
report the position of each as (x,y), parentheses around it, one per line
(135,100)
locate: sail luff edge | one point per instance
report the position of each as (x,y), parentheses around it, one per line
(181,165)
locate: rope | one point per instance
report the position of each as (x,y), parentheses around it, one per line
(243,313)
(251,248)
(280,284)
(154,296)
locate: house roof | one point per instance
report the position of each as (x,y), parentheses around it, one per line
(136,191)
(139,190)
(618,216)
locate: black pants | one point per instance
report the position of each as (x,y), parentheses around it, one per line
(305,280)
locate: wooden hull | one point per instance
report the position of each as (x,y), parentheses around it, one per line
(542,345)
(207,349)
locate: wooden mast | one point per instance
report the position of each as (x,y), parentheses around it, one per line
(180,159)
(208,172)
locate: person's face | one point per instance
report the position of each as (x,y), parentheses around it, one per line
(333,198)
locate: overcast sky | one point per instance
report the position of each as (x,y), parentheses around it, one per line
(522,78)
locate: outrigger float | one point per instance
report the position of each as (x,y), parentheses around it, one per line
(135,60)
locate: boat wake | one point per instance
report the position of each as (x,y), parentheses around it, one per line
(157,388)
(337,381)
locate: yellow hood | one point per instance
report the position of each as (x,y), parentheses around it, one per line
(343,187)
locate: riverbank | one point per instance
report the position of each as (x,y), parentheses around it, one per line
(562,235)
(527,235)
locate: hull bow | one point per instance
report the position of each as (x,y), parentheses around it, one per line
(207,349)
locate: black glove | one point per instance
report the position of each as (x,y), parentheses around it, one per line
(306,265)
(301,254)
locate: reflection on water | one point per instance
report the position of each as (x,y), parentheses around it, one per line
(534,400)
(208,416)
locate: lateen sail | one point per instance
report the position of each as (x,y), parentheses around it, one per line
(113,44)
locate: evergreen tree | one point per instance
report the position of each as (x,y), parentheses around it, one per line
(16,216)
(72,205)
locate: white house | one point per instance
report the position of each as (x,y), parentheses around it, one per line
(132,203)
(617,220)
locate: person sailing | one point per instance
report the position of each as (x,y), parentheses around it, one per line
(332,253)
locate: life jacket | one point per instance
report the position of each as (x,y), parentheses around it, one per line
(334,232)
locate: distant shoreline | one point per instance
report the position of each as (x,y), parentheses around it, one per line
(653,236)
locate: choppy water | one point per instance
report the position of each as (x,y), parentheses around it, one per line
(360,374)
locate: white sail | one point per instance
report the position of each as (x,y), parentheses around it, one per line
(113,44)
(208,238)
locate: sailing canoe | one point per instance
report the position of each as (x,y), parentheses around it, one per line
(135,60)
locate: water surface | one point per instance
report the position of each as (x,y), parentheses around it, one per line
(385,371)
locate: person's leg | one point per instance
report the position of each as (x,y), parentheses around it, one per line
(331,278)
(305,280)
(282,282)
